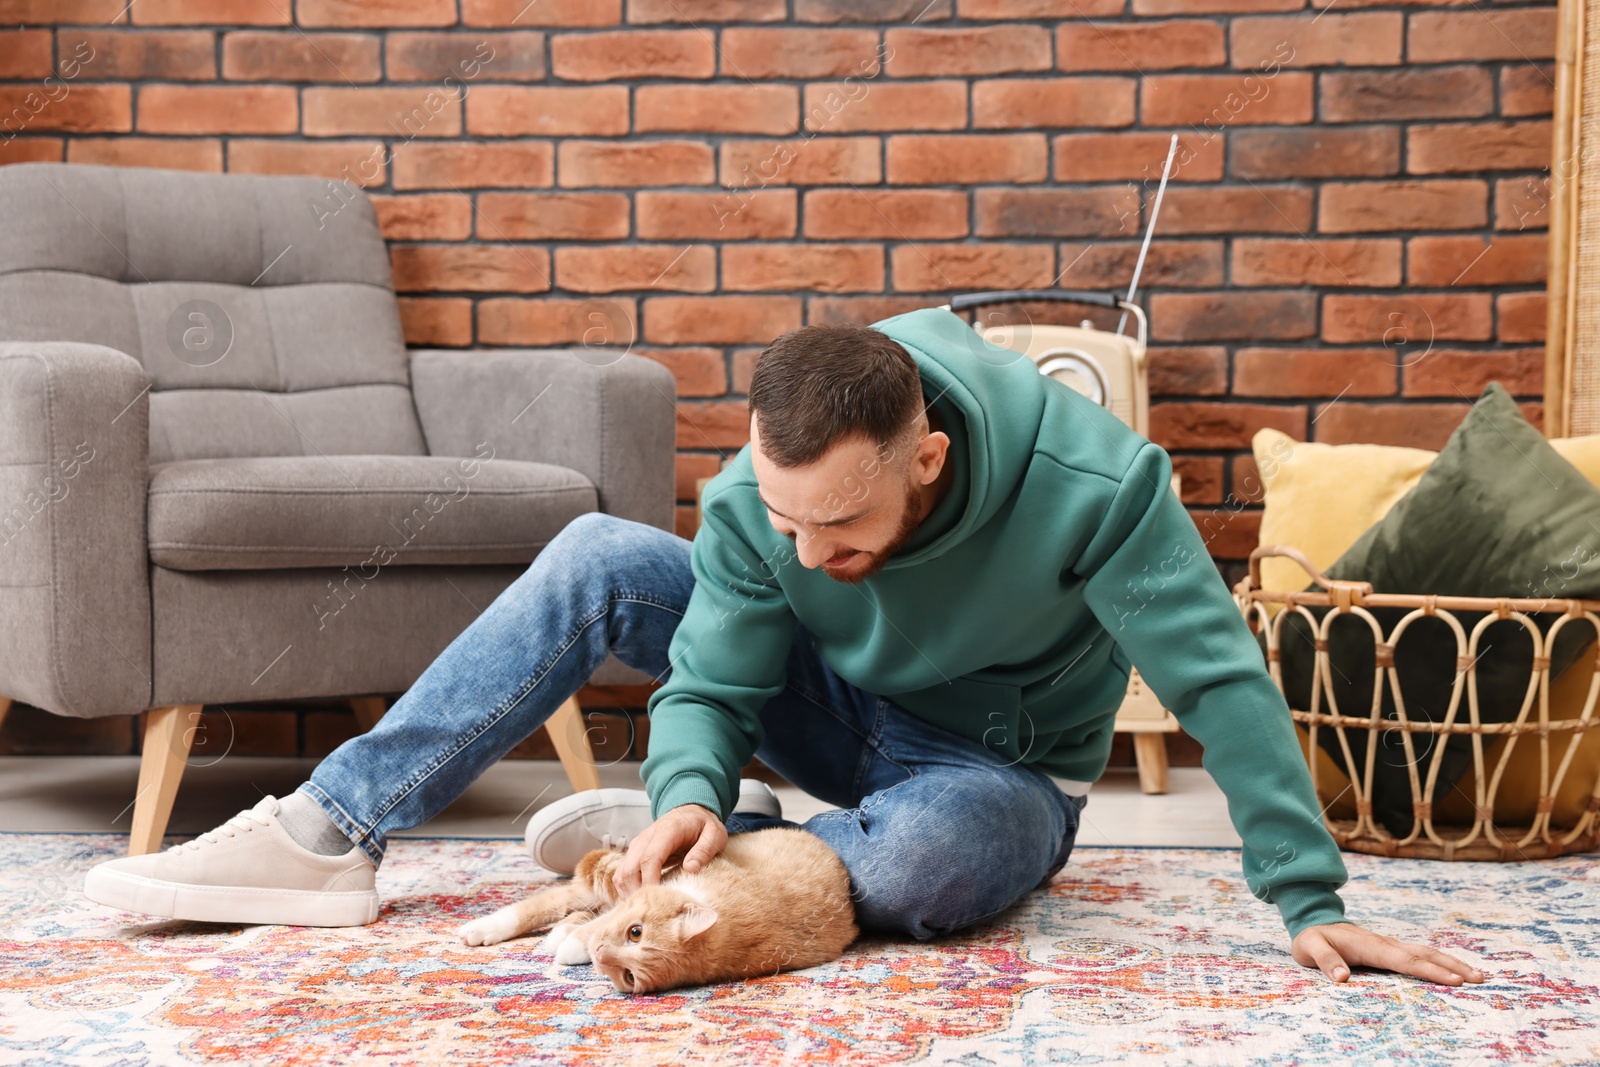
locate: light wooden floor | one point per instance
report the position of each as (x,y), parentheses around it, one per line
(93,793)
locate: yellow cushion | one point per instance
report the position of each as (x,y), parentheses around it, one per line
(1516,801)
(1581,452)
(1333,786)
(1320,498)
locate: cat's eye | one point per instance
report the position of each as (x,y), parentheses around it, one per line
(635,932)
(627,978)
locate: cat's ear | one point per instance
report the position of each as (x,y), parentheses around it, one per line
(695,919)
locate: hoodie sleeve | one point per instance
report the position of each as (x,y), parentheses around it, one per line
(1153,586)
(729,656)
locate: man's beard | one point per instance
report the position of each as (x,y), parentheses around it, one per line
(909,522)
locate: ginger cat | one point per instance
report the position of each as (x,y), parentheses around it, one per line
(773,900)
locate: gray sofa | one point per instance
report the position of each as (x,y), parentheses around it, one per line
(224,478)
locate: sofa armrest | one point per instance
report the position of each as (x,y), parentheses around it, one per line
(614,424)
(74,566)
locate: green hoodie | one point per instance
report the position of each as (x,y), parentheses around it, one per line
(1059,557)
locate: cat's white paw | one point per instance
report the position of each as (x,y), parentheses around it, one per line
(573,950)
(553,940)
(474,933)
(489,930)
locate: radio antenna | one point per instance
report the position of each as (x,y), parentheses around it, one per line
(1150,229)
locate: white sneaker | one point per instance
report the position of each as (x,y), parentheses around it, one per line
(757,798)
(248,870)
(562,832)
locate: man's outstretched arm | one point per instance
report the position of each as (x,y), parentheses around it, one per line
(1152,584)
(728,659)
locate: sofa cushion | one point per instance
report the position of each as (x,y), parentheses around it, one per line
(357,511)
(261,306)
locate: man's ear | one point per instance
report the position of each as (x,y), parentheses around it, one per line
(695,919)
(932,452)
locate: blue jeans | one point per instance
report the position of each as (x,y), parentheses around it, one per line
(937,832)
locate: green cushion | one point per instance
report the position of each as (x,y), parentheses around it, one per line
(1498,513)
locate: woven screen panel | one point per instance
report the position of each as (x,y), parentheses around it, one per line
(1584,385)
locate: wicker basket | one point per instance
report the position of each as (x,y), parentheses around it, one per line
(1485,838)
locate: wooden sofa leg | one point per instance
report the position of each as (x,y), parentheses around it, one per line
(1150,753)
(168,737)
(571,740)
(5,706)
(368,711)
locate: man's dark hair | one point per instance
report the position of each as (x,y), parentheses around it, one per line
(820,384)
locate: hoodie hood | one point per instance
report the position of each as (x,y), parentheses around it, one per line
(998,396)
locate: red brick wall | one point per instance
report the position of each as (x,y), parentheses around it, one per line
(1352,246)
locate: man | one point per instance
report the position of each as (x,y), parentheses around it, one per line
(916,595)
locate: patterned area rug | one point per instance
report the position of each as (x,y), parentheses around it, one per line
(1130,956)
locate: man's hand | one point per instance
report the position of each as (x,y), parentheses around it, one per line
(688,828)
(1336,947)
